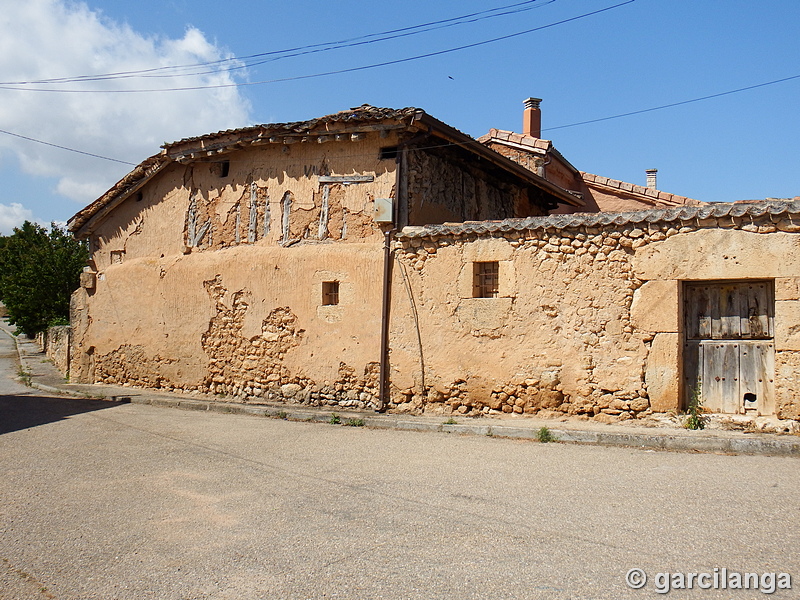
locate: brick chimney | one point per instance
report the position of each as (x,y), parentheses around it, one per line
(532,118)
(651,178)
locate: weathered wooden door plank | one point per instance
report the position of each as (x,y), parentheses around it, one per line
(726,323)
(757,367)
(755,311)
(692,359)
(720,376)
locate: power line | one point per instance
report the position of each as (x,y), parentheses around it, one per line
(673,104)
(391,37)
(598,120)
(30,139)
(339,71)
(241,62)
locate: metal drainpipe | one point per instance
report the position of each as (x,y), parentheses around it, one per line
(387,280)
(383,392)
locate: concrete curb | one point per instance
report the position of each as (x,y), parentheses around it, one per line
(762,444)
(659,439)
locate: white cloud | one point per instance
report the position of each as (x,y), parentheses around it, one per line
(13,215)
(54,38)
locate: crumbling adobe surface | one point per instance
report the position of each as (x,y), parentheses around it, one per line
(131,365)
(211,280)
(571,297)
(586,322)
(587,318)
(253,368)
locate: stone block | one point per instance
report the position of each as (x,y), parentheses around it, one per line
(787,325)
(787,288)
(787,382)
(719,254)
(655,307)
(488,249)
(484,314)
(662,374)
(88,280)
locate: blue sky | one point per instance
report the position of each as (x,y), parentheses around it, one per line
(638,55)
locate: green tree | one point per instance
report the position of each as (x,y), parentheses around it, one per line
(39,270)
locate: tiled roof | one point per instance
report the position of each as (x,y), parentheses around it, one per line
(362,113)
(230,137)
(534,144)
(664,215)
(648,193)
(516,138)
(366,115)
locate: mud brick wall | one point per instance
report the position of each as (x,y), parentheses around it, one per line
(587,319)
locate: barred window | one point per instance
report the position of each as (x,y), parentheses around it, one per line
(485,279)
(330,293)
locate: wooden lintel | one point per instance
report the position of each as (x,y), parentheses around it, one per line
(361,128)
(346,178)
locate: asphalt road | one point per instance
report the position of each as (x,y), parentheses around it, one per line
(103,500)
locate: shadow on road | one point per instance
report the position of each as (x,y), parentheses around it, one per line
(22,412)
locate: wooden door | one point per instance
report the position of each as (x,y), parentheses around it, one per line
(728,348)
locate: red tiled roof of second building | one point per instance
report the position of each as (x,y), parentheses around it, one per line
(516,138)
(653,195)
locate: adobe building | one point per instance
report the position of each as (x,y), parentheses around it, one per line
(380,258)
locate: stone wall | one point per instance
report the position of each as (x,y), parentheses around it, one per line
(557,339)
(55,343)
(588,315)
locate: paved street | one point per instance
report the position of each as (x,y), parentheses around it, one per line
(103,500)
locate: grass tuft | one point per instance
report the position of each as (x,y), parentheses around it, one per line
(544,435)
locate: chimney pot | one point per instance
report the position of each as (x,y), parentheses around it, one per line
(532,118)
(532,102)
(651,178)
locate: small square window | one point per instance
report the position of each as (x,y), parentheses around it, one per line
(389,152)
(330,293)
(485,279)
(222,168)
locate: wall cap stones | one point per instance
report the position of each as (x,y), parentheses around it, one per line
(691,214)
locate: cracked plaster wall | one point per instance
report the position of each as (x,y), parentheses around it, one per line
(246,206)
(586,322)
(242,323)
(147,315)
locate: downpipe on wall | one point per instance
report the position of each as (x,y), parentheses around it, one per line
(386,300)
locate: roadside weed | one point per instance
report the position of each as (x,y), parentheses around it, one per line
(24,376)
(544,435)
(695,419)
